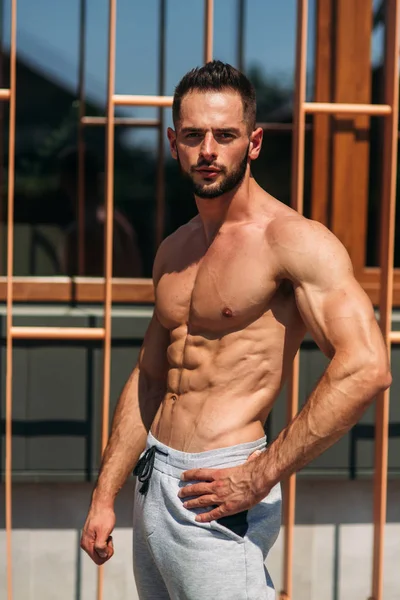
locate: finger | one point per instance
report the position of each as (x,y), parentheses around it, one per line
(201,502)
(199,475)
(88,546)
(110,547)
(87,542)
(254,455)
(104,549)
(213,515)
(99,555)
(197,489)
(97,560)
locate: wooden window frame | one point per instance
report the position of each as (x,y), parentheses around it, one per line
(135,291)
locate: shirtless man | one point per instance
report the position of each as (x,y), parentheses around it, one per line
(236,290)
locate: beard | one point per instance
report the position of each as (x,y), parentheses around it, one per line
(229,181)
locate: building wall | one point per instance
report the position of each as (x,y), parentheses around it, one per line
(332,547)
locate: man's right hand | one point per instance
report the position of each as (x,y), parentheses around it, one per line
(96,537)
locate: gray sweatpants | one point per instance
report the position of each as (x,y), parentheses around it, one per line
(177,558)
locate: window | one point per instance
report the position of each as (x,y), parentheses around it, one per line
(62,77)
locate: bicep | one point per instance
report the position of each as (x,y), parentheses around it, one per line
(339,317)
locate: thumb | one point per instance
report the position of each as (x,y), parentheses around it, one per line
(101,548)
(254,455)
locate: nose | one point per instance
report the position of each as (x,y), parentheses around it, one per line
(208,149)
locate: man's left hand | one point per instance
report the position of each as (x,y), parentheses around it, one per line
(233,490)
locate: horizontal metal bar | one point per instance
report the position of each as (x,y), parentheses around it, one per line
(5,94)
(281,127)
(341,108)
(125,122)
(394,337)
(57,333)
(126,100)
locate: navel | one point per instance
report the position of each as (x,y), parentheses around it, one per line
(227,312)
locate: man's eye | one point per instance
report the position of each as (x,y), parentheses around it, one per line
(225,135)
(192,135)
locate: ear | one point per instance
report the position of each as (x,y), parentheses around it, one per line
(172,142)
(255,143)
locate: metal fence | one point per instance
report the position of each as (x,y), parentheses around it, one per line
(389,111)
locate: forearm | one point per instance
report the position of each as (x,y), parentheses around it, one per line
(335,405)
(132,420)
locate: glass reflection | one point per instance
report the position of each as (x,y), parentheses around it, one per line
(127,260)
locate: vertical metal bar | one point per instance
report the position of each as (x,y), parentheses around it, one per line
(297,191)
(240,34)
(298,139)
(109,197)
(160,186)
(109,220)
(389,173)
(208,30)
(1,131)
(290,490)
(81,142)
(10,261)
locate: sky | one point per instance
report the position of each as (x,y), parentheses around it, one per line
(48,39)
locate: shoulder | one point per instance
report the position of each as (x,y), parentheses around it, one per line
(173,244)
(305,249)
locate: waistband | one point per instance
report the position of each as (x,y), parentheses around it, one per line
(173,462)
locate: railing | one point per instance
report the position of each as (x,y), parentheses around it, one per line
(389,111)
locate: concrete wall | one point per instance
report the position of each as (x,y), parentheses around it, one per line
(333,543)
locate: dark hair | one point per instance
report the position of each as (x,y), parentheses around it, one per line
(217,76)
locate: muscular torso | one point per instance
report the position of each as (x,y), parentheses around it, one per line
(234,330)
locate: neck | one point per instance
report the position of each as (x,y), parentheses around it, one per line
(231,207)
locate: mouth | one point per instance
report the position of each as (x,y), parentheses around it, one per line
(207,172)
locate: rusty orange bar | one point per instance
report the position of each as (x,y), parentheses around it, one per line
(2,216)
(388,209)
(121,121)
(81,141)
(342,108)
(5,94)
(57,333)
(241,26)
(297,190)
(297,193)
(208,29)
(128,100)
(160,185)
(10,260)
(290,490)
(109,222)
(281,127)
(394,337)
(109,200)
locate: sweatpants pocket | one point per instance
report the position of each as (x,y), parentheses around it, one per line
(233,532)
(236,524)
(147,506)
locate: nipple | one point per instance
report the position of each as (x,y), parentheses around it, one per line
(227,312)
